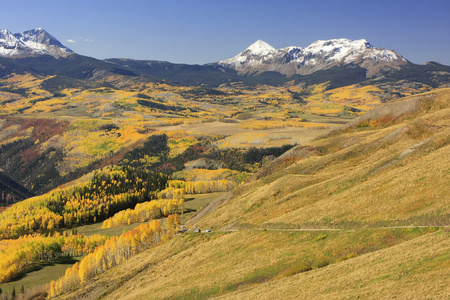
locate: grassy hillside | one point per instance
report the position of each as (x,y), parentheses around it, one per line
(360,212)
(200,266)
(391,167)
(416,269)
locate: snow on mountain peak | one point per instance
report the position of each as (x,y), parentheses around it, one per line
(260,48)
(32,42)
(321,54)
(6,35)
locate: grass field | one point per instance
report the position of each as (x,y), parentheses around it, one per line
(194,203)
(97,229)
(245,138)
(43,275)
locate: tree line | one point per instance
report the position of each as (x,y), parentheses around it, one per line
(146,211)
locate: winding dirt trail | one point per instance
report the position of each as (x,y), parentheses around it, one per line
(210,207)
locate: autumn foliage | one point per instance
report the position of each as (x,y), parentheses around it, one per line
(146,211)
(112,253)
(108,192)
(19,254)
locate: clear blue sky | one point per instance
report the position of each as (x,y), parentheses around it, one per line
(202,31)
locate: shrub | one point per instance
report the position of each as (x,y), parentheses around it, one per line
(299,267)
(321,262)
(347,256)
(320,237)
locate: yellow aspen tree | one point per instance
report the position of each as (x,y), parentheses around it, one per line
(181,205)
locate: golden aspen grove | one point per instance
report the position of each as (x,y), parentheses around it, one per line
(113,252)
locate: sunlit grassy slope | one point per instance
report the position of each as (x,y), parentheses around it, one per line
(200,266)
(416,269)
(390,168)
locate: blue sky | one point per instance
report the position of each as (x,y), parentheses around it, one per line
(202,31)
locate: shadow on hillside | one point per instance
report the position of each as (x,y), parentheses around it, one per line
(64,260)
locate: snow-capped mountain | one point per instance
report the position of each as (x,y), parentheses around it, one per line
(32,42)
(320,55)
(10,45)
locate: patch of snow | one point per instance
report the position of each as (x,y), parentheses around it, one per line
(260,48)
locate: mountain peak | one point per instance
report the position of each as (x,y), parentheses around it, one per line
(4,31)
(260,48)
(31,42)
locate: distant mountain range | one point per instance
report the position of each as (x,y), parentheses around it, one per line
(338,61)
(320,55)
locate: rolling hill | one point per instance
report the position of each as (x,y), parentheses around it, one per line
(359,212)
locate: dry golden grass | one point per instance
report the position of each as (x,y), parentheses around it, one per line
(199,266)
(394,171)
(418,269)
(246,138)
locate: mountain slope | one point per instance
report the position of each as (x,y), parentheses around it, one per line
(178,73)
(12,46)
(74,66)
(377,171)
(412,270)
(11,191)
(204,266)
(320,55)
